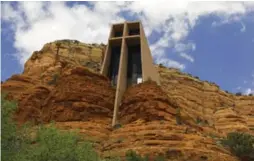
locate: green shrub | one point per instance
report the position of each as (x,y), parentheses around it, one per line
(54,79)
(117,126)
(178,116)
(48,143)
(161,65)
(133,156)
(10,142)
(119,140)
(161,121)
(240,144)
(76,42)
(198,120)
(51,144)
(159,158)
(112,159)
(238,94)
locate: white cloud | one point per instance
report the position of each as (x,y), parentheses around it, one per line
(187,57)
(232,19)
(249,86)
(38,26)
(171,63)
(249,91)
(243,29)
(180,47)
(238,88)
(175,19)
(36,23)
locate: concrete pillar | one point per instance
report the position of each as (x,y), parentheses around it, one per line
(122,81)
(148,69)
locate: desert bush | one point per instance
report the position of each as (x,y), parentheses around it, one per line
(178,116)
(133,156)
(76,42)
(160,158)
(10,142)
(240,144)
(161,65)
(54,79)
(198,120)
(48,143)
(117,126)
(51,144)
(238,94)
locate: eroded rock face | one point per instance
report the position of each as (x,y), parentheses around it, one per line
(79,95)
(204,104)
(55,56)
(86,96)
(149,126)
(67,88)
(58,84)
(148,102)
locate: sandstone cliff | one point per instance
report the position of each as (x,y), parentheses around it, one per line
(183,118)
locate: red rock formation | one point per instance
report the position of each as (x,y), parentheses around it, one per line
(79,95)
(148,120)
(68,89)
(148,102)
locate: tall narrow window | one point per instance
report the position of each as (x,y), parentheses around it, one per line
(114,64)
(134,72)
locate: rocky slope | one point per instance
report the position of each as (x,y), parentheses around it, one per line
(205,104)
(183,118)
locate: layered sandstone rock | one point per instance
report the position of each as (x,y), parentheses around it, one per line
(77,95)
(149,126)
(55,56)
(206,105)
(148,102)
(184,118)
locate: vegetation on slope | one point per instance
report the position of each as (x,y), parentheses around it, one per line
(46,143)
(240,144)
(133,156)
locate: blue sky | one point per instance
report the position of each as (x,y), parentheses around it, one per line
(211,40)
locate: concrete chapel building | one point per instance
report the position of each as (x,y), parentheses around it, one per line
(127,60)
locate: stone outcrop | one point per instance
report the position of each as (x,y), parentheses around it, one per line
(77,95)
(149,126)
(206,105)
(147,102)
(55,56)
(183,119)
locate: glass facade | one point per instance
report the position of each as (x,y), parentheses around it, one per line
(134,70)
(114,64)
